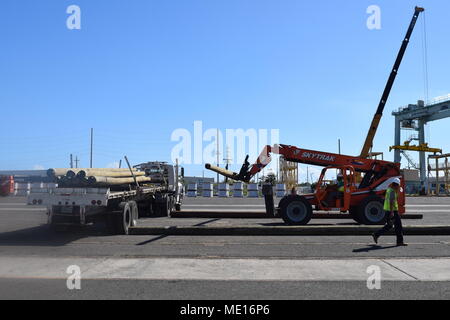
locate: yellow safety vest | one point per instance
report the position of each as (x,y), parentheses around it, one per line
(387,200)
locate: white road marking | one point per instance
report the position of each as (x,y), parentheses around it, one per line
(427,205)
(227,269)
(262,205)
(22,209)
(222,205)
(203,209)
(228,210)
(425,211)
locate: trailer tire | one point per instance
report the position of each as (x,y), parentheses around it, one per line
(164,208)
(135,213)
(371,212)
(295,210)
(124,218)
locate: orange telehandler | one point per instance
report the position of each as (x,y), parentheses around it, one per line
(363,200)
(362,197)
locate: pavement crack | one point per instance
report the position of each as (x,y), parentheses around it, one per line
(404,272)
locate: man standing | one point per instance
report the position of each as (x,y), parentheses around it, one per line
(392,215)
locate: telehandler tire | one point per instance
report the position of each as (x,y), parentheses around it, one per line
(295,210)
(371,212)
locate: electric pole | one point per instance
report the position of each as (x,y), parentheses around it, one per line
(92,144)
(218,154)
(307,174)
(227,158)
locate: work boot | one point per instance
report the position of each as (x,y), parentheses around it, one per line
(375,238)
(402,244)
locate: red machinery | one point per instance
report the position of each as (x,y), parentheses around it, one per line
(6,185)
(364,200)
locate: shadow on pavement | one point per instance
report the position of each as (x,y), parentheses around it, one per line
(313,224)
(373,247)
(44,236)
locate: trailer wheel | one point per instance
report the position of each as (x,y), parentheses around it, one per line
(135,213)
(371,211)
(164,208)
(124,218)
(295,210)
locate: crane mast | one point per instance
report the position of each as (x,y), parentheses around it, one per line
(387,90)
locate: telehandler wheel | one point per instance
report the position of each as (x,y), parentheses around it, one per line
(295,210)
(371,212)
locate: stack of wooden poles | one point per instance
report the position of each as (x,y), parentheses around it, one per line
(96,177)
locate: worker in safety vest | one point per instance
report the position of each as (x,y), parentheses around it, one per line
(392,215)
(332,195)
(340,182)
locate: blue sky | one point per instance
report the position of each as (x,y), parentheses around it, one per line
(137,70)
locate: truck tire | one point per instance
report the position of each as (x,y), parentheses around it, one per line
(124,218)
(371,212)
(164,208)
(295,210)
(135,213)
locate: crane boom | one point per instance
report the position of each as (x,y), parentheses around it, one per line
(387,90)
(299,155)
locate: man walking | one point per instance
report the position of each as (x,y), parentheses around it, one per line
(392,216)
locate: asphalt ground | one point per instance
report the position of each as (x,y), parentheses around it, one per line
(23,234)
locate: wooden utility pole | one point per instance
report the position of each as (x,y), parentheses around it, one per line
(92,144)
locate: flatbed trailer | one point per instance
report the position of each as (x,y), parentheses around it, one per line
(120,209)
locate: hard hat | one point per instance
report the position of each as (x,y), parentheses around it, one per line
(396,181)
